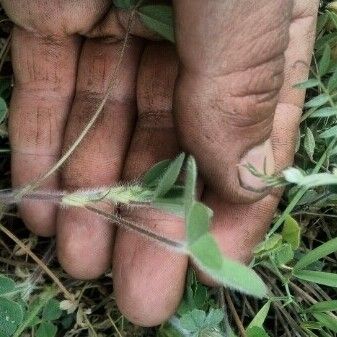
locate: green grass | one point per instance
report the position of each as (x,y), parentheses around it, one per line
(297,261)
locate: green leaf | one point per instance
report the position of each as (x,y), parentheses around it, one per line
(332,132)
(260,317)
(268,245)
(193,321)
(152,177)
(3,109)
(52,310)
(323,306)
(170,205)
(316,254)
(7,285)
(11,315)
(324,62)
(214,318)
(312,83)
(256,332)
(125,4)
(46,329)
(170,176)
(324,112)
(291,232)
(197,222)
(206,254)
(319,277)
(317,101)
(283,254)
(332,84)
(309,143)
(158,18)
(327,321)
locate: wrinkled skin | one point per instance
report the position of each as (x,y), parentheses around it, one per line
(232,103)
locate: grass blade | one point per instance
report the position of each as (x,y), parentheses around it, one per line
(316,254)
(319,277)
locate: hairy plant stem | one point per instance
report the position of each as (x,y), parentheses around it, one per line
(140,229)
(112,84)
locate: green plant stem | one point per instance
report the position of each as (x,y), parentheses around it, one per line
(113,82)
(48,294)
(301,191)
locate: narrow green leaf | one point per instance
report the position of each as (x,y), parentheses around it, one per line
(198,221)
(319,277)
(11,315)
(327,321)
(52,310)
(7,285)
(124,4)
(170,176)
(332,132)
(152,176)
(309,143)
(332,84)
(324,63)
(324,250)
(260,317)
(324,112)
(206,254)
(291,232)
(46,329)
(312,83)
(256,331)
(323,306)
(317,101)
(158,18)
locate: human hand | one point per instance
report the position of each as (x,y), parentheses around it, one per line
(233,79)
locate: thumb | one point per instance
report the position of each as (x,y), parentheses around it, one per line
(231,73)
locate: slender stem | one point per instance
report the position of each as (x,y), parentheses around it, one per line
(135,227)
(113,82)
(235,314)
(301,191)
(42,265)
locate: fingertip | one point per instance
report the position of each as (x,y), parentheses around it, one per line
(143,313)
(39,217)
(84,243)
(148,278)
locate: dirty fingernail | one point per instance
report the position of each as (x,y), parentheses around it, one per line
(261,158)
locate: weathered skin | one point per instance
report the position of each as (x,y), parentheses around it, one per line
(233,102)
